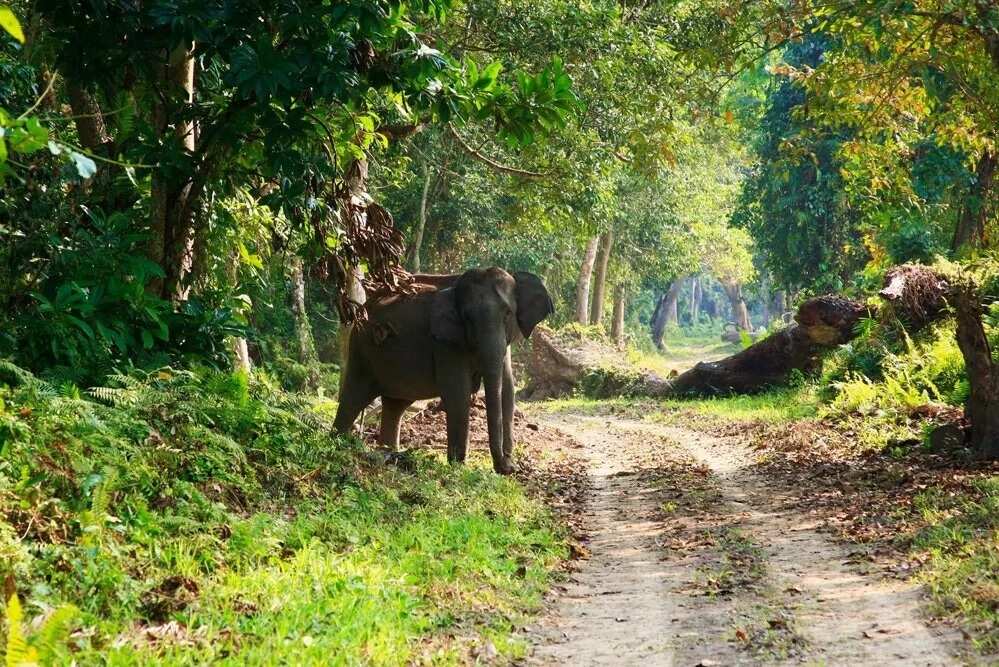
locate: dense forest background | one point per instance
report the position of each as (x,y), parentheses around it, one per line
(195,197)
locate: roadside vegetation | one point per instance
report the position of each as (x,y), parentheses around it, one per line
(192,516)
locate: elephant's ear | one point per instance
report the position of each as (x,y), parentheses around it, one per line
(445,322)
(533,302)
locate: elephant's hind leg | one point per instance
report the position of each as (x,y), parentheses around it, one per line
(392,411)
(355,395)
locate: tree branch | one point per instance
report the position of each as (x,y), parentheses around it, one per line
(489,162)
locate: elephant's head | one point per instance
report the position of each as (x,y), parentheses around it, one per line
(489,307)
(483,312)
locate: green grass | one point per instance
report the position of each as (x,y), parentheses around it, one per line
(198,517)
(961,546)
(778,405)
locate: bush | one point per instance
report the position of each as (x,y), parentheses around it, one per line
(220,510)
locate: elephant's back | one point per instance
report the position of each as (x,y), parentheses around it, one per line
(399,348)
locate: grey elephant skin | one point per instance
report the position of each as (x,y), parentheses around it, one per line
(445,342)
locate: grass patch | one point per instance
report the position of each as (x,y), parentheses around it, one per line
(196,517)
(960,546)
(777,405)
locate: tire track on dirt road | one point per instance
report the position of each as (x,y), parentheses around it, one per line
(695,559)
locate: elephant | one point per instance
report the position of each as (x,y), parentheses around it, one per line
(446,342)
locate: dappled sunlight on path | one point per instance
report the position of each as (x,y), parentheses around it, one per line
(696,559)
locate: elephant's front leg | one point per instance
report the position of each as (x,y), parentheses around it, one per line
(456,405)
(508,400)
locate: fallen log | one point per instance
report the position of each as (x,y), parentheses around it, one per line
(916,295)
(820,324)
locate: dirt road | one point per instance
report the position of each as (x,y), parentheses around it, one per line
(697,560)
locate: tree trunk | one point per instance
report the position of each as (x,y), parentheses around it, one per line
(171,241)
(695,299)
(982,407)
(600,277)
(303,331)
(617,325)
(740,313)
(241,353)
(357,183)
(672,302)
(583,282)
(765,302)
(414,255)
(89,120)
(657,325)
(978,204)
(779,303)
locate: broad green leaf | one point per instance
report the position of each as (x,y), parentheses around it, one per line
(10,23)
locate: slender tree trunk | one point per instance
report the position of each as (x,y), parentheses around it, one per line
(357,182)
(303,331)
(241,355)
(765,301)
(171,242)
(780,303)
(240,350)
(414,260)
(695,299)
(982,407)
(600,277)
(657,326)
(672,302)
(583,282)
(617,325)
(978,204)
(740,313)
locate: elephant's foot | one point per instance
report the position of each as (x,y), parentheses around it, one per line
(401,458)
(505,466)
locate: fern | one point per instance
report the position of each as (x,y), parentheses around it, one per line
(54,632)
(101,500)
(114,396)
(14,375)
(18,653)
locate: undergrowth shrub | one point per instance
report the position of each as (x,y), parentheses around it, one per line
(220,508)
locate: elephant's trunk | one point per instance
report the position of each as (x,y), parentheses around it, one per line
(491,363)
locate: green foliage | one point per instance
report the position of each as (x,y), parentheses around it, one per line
(958,543)
(46,644)
(217,502)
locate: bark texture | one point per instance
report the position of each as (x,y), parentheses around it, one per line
(617,326)
(982,407)
(600,277)
(657,325)
(421,225)
(695,299)
(583,281)
(672,302)
(978,204)
(303,331)
(174,203)
(740,313)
